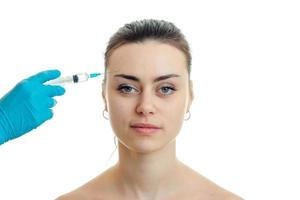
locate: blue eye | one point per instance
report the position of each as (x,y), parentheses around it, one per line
(167,90)
(126,89)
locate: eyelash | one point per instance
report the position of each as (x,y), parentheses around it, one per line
(122,86)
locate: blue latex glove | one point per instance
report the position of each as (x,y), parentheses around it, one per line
(28,105)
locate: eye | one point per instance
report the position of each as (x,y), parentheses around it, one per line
(167,90)
(126,89)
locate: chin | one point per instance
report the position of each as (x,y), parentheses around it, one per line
(145,146)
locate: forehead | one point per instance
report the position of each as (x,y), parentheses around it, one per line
(150,57)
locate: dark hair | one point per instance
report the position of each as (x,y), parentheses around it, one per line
(139,31)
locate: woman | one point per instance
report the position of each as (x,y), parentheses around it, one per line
(147,94)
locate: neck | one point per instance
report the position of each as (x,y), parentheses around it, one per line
(145,174)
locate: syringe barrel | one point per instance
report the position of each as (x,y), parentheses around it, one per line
(80,77)
(76,78)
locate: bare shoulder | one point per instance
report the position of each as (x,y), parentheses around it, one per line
(234,198)
(212,191)
(216,192)
(96,188)
(203,188)
(226,195)
(71,196)
(82,193)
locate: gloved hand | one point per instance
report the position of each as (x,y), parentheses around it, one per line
(28,105)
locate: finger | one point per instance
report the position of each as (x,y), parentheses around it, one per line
(50,103)
(54,102)
(47,114)
(44,76)
(54,90)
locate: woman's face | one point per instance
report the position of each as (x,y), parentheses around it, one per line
(148,84)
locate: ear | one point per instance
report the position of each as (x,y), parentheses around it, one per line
(191,94)
(103,95)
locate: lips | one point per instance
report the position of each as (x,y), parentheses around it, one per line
(145,129)
(143,125)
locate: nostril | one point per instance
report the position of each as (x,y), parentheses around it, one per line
(145,109)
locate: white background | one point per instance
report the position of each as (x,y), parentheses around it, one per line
(243,132)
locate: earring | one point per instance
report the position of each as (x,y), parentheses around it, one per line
(189,116)
(103,114)
(115,141)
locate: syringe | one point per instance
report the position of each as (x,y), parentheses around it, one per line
(76,78)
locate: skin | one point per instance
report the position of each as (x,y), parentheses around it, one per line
(148,167)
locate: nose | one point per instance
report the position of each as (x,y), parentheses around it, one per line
(145,105)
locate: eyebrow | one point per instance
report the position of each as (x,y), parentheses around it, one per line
(134,78)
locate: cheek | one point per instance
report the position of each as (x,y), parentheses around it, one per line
(119,113)
(174,114)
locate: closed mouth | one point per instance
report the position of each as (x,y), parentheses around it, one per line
(145,126)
